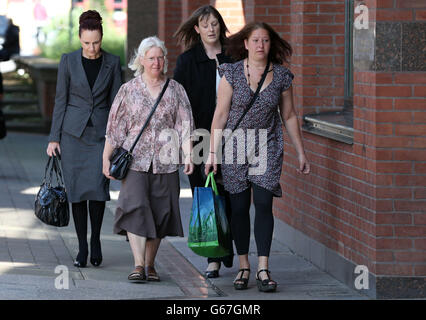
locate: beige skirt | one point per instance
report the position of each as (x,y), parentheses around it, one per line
(148,205)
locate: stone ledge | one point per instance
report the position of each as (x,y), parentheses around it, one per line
(336,125)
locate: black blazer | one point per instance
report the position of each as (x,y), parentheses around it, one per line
(11,40)
(197,74)
(76,103)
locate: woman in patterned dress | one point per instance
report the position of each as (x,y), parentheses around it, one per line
(255,45)
(148,204)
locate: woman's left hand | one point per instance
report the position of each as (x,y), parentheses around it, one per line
(304,166)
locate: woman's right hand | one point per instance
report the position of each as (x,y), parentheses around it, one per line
(211,162)
(52,147)
(106,163)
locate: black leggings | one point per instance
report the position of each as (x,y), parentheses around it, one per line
(263,223)
(79,212)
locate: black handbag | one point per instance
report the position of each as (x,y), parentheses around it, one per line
(121,159)
(51,203)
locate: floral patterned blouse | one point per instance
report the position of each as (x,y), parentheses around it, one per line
(170,125)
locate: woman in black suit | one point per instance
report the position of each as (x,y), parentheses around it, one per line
(204,36)
(88,80)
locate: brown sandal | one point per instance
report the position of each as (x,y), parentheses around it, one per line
(152,275)
(138,274)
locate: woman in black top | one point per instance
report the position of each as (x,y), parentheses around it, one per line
(203,35)
(88,80)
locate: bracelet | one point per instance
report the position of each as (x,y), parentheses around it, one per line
(212,152)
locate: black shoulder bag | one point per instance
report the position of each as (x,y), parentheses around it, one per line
(51,203)
(121,159)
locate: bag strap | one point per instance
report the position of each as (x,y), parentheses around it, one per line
(214,186)
(253,99)
(57,169)
(150,114)
(45,170)
(259,86)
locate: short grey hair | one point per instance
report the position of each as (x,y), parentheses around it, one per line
(143,48)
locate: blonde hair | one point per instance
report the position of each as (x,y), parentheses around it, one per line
(143,48)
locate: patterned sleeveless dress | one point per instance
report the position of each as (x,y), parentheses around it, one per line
(256,154)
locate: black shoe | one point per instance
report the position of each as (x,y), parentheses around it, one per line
(96,262)
(81,260)
(212,274)
(95,253)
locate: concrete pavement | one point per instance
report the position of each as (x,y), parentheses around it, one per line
(30,252)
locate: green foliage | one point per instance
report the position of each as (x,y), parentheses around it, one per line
(58,34)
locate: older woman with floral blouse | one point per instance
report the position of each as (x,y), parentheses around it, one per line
(148,204)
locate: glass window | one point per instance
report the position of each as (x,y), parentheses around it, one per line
(338,125)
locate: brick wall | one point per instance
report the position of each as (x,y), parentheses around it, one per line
(390,118)
(335,204)
(232,13)
(365,201)
(317,35)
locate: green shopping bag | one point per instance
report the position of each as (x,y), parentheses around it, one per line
(209,230)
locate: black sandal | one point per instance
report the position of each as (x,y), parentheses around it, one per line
(265,285)
(243,282)
(138,275)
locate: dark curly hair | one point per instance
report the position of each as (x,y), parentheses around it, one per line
(90,20)
(186,33)
(280,49)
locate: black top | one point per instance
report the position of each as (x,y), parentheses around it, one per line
(197,74)
(92,67)
(11,40)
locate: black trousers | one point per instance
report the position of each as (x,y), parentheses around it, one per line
(197,179)
(263,223)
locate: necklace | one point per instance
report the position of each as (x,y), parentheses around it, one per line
(248,74)
(248,77)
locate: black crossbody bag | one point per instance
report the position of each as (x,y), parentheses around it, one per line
(121,159)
